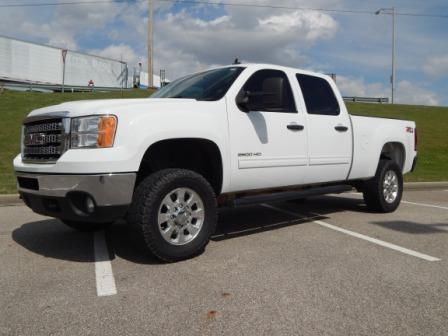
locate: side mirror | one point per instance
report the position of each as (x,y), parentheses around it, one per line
(243,101)
(250,101)
(270,98)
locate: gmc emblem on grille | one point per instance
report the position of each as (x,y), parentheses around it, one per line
(35,139)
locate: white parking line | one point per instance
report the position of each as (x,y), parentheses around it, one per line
(412,203)
(105,282)
(360,236)
(426,205)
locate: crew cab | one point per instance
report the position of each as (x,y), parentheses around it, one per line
(233,135)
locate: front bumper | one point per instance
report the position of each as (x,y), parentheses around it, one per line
(86,198)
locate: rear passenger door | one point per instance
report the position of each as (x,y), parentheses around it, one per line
(329,130)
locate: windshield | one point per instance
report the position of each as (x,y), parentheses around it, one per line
(208,85)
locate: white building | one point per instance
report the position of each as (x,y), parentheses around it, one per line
(26,62)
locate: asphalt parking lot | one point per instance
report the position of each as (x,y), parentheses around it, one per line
(325,266)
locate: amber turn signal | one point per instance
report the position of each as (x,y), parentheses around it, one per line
(107,126)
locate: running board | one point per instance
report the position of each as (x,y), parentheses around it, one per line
(290,195)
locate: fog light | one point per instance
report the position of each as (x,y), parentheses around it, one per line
(90,205)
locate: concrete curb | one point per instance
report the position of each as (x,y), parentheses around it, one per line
(10,200)
(13,199)
(425,185)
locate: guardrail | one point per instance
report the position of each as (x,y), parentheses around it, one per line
(55,88)
(379,100)
(71,88)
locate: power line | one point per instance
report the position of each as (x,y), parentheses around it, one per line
(423,15)
(206,2)
(47,4)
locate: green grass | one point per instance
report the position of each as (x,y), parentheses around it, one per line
(432,127)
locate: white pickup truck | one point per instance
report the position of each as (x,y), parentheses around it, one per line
(233,135)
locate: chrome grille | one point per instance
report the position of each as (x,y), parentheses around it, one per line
(44,140)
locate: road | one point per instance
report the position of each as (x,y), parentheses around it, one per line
(325,266)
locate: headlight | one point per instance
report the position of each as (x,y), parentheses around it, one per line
(93,132)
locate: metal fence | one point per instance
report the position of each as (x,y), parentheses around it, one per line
(379,100)
(55,87)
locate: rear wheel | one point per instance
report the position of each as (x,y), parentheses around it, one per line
(86,226)
(175,209)
(383,192)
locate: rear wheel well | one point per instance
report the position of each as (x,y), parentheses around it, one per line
(391,151)
(199,155)
(394,151)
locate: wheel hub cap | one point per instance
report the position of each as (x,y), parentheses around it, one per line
(390,186)
(182,218)
(181,215)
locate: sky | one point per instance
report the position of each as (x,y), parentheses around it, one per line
(193,37)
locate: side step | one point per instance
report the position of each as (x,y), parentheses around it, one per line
(290,195)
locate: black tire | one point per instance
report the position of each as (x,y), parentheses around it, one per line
(86,226)
(374,196)
(147,202)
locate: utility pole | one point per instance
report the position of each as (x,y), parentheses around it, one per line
(393,54)
(150,44)
(64,56)
(391,11)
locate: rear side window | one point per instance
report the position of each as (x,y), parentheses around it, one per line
(318,95)
(271,91)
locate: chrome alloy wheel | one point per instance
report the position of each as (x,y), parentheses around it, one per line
(390,186)
(181,215)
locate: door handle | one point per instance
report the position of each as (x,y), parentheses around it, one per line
(295,127)
(340,128)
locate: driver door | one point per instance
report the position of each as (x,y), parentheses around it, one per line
(268,139)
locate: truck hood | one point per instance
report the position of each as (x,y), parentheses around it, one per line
(113,106)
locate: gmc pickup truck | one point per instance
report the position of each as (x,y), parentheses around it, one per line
(234,135)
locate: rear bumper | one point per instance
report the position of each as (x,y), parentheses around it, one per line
(87,198)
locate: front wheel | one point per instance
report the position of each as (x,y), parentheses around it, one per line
(175,209)
(383,192)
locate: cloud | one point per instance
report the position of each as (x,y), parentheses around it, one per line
(191,37)
(437,66)
(406,91)
(119,52)
(410,93)
(60,26)
(53,35)
(311,25)
(357,87)
(269,39)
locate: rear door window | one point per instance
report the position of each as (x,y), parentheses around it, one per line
(318,95)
